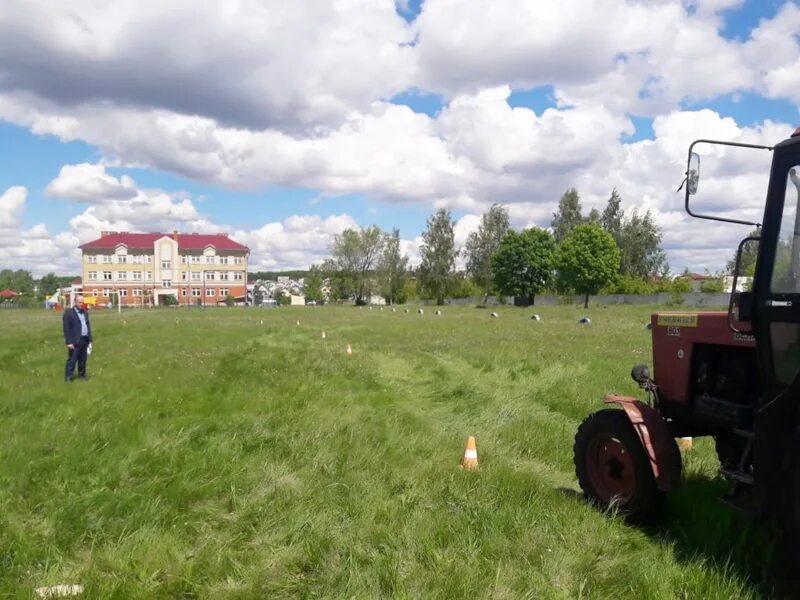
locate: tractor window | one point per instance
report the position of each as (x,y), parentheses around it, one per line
(785,350)
(786,269)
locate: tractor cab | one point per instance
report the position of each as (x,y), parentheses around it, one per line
(733,375)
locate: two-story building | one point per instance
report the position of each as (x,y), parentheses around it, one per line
(142,269)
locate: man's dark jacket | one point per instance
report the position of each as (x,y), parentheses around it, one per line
(72,326)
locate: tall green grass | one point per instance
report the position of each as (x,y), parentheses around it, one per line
(212,456)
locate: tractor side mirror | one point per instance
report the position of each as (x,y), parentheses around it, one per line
(693,173)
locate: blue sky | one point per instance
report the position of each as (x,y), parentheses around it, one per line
(305,147)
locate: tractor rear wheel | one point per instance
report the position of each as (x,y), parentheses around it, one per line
(613,468)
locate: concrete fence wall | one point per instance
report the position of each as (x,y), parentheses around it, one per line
(692,299)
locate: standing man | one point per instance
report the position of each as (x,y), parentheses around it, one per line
(77,337)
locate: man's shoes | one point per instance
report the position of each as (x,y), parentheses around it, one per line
(67,379)
(83,377)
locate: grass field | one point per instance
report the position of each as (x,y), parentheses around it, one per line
(213,456)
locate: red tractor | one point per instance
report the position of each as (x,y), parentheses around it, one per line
(733,375)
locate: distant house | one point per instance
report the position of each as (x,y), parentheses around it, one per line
(7,295)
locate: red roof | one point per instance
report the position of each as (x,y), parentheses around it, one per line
(144,241)
(8,294)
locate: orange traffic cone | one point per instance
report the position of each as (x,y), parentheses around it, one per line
(685,443)
(349,350)
(470,460)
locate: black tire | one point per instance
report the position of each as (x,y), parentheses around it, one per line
(644,503)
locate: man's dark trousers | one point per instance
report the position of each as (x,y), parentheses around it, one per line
(77,356)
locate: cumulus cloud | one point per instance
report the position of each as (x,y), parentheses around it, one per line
(247,63)
(90,183)
(248,94)
(32,248)
(12,203)
(293,243)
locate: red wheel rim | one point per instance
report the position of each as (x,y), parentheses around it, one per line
(610,469)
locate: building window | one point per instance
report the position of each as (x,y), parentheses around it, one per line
(106,275)
(195,276)
(211,275)
(196,292)
(237,260)
(121,259)
(238,276)
(106,292)
(137,259)
(223,276)
(183,292)
(137,275)
(184,259)
(107,259)
(92,259)
(95,293)
(122,275)
(223,260)
(209,260)
(210,292)
(137,291)
(183,276)
(165,264)
(195,260)
(148,259)
(166,283)
(92,275)
(123,293)
(223,292)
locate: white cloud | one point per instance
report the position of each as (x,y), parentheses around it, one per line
(296,242)
(90,183)
(12,203)
(250,63)
(32,248)
(248,94)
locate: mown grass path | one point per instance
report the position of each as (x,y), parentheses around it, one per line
(213,456)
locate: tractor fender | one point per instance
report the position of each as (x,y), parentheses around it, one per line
(657,440)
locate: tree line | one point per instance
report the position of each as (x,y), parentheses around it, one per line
(609,251)
(33,290)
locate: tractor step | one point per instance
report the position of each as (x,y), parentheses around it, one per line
(739,476)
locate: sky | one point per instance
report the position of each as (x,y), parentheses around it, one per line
(284,123)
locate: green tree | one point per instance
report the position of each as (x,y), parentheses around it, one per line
(613,215)
(230,300)
(438,253)
(747,265)
(638,238)
(354,256)
(568,215)
(588,260)
(392,269)
(482,245)
(524,263)
(312,287)
(48,284)
(713,284)
(640,254)
(20,281)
